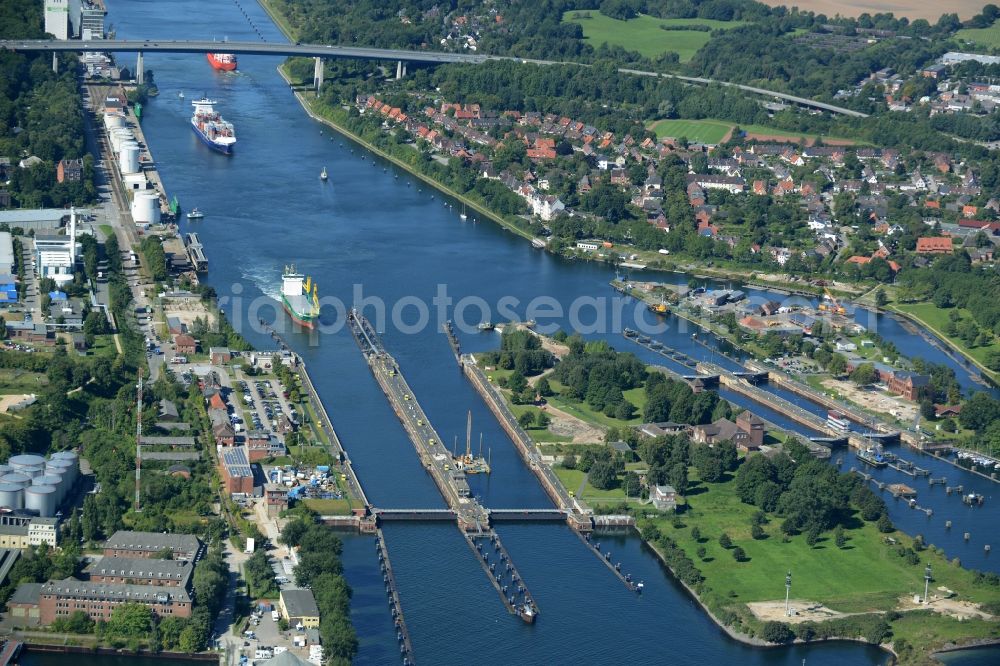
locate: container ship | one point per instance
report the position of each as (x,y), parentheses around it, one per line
(215,132)
(224,62)
(299,297)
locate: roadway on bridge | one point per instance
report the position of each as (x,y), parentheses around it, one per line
(365,53)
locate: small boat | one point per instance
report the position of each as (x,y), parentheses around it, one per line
(838,421)
(181,94)
(486,326)
(873,456)
(973,499)
(463,216)
(195,214)
(323,175)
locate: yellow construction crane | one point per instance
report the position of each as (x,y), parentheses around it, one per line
(833,306)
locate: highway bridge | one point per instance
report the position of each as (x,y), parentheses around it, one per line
(364,53)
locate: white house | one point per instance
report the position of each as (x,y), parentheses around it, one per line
(664,498)
(546,207)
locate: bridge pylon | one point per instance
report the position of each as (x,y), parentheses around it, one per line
(140,70)
(318,74)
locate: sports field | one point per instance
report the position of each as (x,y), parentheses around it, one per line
(696,131)
(716,131)
(643,34)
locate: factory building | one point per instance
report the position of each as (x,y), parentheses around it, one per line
(56,254)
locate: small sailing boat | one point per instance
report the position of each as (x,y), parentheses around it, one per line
(323,175)
(181,94)
(463,216)
(195,214)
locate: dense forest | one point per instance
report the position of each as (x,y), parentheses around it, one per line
(41,115)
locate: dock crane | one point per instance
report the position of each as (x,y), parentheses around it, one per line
(834,305)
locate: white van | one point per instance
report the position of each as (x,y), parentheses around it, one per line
(275,615)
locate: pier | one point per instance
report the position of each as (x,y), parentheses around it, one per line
(435,458)
(456,346)
(503,574)
(10,651)
(402,633)
(578,515)
(196,252)
(613,566)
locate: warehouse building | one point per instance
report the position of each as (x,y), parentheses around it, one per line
(140,571)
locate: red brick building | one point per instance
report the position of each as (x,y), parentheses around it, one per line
(140,571)
(185,344)
(934,245)
(128,544)
(753,426)
(237,474)
(60,599)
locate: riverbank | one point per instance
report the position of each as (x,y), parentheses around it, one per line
(990,377)
(469,203)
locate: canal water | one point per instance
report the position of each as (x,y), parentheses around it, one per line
(373,231)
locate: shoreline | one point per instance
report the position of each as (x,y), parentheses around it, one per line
(985,373)
(114,652)
(485,212)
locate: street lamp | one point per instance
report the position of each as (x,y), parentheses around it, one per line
(788,590)
(927,580)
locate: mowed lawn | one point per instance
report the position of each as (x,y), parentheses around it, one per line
(643,34)
(695,131)
(714,131)
(865,575)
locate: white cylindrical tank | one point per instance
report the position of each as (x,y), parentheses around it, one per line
(5,469)
(128,157)
(66,455)
(11,496)
(16,478)
(25,459)
(50,480)
(119,136)
(113,120)
(41,499)
(146,208)
(32,470)
(61,468)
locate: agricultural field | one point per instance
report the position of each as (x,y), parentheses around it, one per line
(643,34)
(989,37)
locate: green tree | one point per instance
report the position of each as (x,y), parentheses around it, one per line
(130,620)
(526,420)
(602,475)
(739,554)
(725,541)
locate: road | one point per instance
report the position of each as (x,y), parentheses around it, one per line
(364,53)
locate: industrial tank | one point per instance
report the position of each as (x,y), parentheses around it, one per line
(63,469)
(51,480)
(146,208)
(16,478)
(66,455)
(113,120)
(128,157)
(41,499)
(11,496)
(5,469)
(31,470)
(120,136)
(28,459)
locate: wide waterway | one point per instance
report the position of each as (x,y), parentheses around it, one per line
(377,227)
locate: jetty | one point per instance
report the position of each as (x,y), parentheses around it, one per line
(402,633)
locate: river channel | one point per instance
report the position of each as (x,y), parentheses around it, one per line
(377,229)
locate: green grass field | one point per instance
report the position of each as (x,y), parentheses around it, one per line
(865,575)
(936,319)
(107,230)
(643,34)
(714,131)
(13,380)
(984,36)
(696,131)
(572,478)
(329,507)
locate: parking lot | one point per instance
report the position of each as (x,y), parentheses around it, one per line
(265,402)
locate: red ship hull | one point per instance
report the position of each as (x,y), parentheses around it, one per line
(304,323)
(220,64)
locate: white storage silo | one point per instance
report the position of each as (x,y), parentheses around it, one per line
(62,467)
(41,499)
(146,208)
(119,136)
(66,455)
(128,157)
(31,470)
(51,480)
(16,478)
(5,469)
(113,120)
(11,496)
(25,459)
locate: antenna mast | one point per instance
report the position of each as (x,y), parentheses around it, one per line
(138,442)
